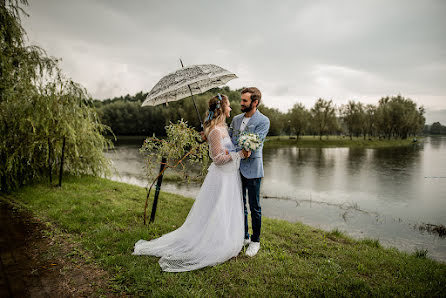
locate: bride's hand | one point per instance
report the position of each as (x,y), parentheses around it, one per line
(203,136)
(246,153)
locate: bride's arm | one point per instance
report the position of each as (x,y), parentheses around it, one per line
(216,150)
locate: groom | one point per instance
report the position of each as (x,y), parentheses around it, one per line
(251,169)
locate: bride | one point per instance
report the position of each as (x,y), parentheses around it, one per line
(214,228)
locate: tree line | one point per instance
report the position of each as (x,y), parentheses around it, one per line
(435,129)
(392,117)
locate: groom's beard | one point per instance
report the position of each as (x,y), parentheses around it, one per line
(246,109)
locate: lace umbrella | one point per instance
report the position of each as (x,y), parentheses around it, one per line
(188,81)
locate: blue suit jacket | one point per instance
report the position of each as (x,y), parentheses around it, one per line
(251,167)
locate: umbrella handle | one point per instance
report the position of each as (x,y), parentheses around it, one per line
(193,99)
(196,109)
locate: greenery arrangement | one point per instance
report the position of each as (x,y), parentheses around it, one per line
(43,114)
(181,148)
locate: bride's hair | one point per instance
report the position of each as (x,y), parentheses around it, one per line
(215,115)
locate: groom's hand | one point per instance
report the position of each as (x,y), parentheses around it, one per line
(246,153)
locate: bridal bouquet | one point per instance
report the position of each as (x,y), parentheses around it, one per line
(249,141)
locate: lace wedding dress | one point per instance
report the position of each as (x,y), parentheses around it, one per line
(214,228)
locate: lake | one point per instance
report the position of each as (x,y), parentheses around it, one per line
(390,194)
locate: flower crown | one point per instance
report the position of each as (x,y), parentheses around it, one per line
(212,111)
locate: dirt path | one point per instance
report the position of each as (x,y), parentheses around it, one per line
(32,266)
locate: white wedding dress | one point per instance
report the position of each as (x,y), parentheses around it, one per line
(214,228)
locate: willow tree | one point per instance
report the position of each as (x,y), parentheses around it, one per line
(323,117)
(39,109)
(299,118)
(369,124)
(353,116)
(399,117)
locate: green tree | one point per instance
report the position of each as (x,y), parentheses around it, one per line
(299,118)
(276,118)
(369,124)
(384,118)
(323,117)
(40,110)
(436,128)
(353,116)
(419,122)
(399,117)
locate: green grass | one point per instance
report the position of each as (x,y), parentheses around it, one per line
(336,141)
(421,253)
(105,219)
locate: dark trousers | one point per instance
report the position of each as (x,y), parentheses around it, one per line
(252,186)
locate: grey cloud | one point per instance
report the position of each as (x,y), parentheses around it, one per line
(281,90)
(436,116)
(292,49)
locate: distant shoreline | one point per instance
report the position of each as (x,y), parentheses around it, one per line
(338,142)
(313,141)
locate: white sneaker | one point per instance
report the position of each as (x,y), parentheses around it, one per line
(253,248)
(246,241)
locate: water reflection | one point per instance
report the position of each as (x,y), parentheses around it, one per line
(375,193)
(437,142)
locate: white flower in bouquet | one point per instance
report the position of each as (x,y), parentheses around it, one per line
(249,141)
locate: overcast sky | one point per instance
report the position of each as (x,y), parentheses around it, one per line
(293,51)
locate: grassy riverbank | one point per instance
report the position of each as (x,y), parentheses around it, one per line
(336,141)
(105,219)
